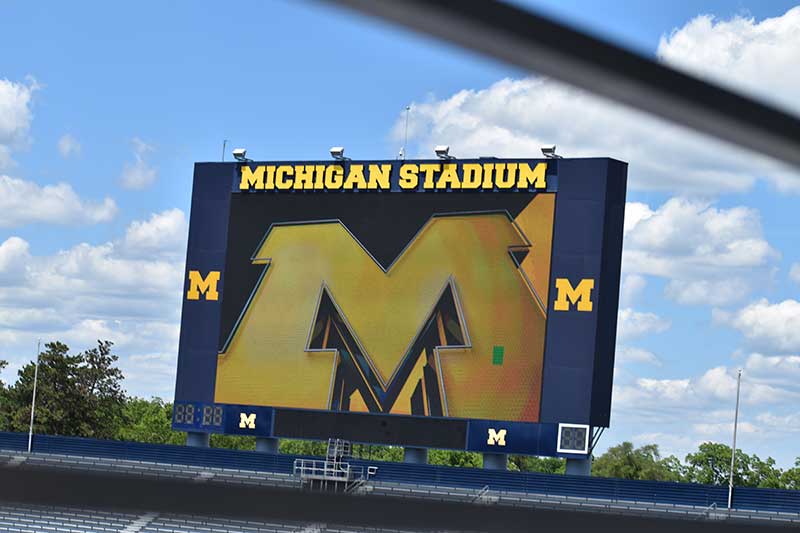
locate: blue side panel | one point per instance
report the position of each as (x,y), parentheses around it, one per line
(197,354)
(573,337)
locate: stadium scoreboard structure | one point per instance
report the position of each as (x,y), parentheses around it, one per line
(462,304)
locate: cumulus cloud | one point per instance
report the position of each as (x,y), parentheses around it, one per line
(632,354)
(515,117)
(140,174)
(632,324)
(759,57)
(632,287)
(23,202)
(794,273)
(127,291)
(766,326)
(15,116)
(710,255)
(68,146)
(162,233)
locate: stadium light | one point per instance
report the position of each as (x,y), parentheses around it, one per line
(443,152)
(550,152)
(240,154)
(337,152)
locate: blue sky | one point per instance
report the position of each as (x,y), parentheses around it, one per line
(116,102)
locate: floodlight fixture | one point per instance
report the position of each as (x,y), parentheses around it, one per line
(443,152)
(337,152)
(549,152)
(240,154)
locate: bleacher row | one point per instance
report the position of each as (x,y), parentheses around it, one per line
(701,496)
(47,519)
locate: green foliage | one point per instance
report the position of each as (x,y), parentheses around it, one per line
(76,394)
(544,465)
(148,421)
(790,479)
(712,462)
(626,462)
(455,458)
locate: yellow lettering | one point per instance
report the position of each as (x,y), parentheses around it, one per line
(334,176)
(409,178)
(355,178)
(319,176)
(252,179)
(247,421)
(505,180)
(580,295)
(304,177)
(429,169)
(379,177)
(535,177)
(497,437)
(448,177)
(206,286)
(280,177)
(472,175)
(487,176)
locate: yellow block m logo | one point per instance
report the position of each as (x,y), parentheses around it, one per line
(327,327)
(497,437)
(247,421)
(206,286)
(580,296)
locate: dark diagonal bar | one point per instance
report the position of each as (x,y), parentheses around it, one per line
(538,44)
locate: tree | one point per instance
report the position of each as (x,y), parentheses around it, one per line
(148,421)
(455,458)
(544,465)
(626,462)
(790,479)
(77,395)
(712,462)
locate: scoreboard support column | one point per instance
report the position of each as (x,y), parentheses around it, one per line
(267,444)
(495,461)
(198,439)
(413,455)
(579,467)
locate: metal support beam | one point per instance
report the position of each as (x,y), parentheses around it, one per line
(415,455)
(579,467)
(495,461)
(197,440)
(535,43)
(267,444)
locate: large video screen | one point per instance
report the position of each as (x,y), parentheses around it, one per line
(394,301)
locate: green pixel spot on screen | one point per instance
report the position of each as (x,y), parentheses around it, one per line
(497,355)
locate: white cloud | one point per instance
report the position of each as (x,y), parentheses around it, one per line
(127,291)
(711,256)
(163,233)
(23,202)
(632,324)
(632,354)
(766,326)
(794,272)
(707,292)
(632,287)
(68,146)
(140,174)
(516,117)
(15,116)
(758,57)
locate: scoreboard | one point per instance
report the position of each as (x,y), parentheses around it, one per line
(467,304)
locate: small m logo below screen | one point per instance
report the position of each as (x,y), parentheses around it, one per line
(206,286)
(247,420)
(568,296)
(497,437)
